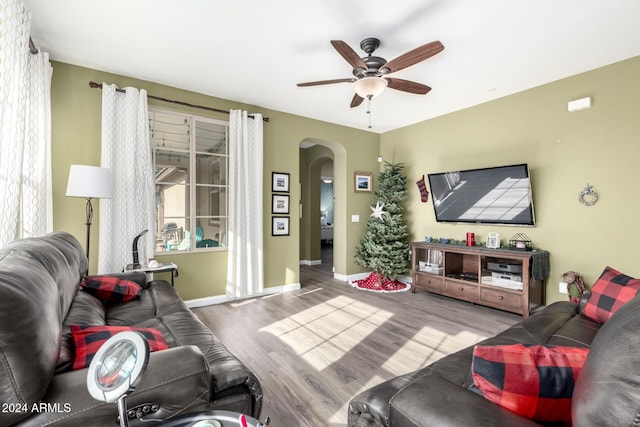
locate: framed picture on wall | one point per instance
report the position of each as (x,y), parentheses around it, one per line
(280,204)
(279,182)
(362,182)
(280,226)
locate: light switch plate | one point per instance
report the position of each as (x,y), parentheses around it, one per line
(562,288)
(355,218)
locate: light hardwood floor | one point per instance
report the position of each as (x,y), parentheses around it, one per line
(315,348)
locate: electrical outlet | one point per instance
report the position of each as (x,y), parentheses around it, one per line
(355,218)
(562,288)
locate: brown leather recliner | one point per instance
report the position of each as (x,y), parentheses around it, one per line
(39,301)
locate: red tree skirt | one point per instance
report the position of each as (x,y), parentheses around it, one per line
(377,283)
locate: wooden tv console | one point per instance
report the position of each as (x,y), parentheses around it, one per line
(499,278)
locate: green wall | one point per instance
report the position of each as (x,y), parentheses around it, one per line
(76,118)
(565,151)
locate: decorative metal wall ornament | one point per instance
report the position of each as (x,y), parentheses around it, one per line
(588,196)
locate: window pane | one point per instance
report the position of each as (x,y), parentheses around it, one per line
(211,232)
(211,138)
(173,215)
(171,167)
(211,201)
(211,169)
(171,234)
(174,237)
(169,132)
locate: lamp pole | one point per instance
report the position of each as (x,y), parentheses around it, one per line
(89,213)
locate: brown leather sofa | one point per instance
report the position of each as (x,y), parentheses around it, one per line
(39,301)
(606,392)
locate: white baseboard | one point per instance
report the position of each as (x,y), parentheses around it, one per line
(310,262)
(350,277)
(203,302)
(219,299)
(360,276)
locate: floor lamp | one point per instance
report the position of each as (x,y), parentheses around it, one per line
(90,182)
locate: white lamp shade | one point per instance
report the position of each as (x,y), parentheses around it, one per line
(89,181)
(370,86)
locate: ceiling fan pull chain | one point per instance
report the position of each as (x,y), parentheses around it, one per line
(369,110)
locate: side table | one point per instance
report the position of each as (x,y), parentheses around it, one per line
(167,267)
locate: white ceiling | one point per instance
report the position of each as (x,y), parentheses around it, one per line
(256,51)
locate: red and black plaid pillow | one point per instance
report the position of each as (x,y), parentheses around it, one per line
(88,339)
(610,292)
(110,288)
(535,382)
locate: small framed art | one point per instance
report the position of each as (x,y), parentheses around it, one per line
(493,240)
(279,182)
(362,182)
(280,226)
(279,203)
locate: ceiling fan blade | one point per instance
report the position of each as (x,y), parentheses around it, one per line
(412,57)
(349,54)
(407,86)
(357,100)
(327,82)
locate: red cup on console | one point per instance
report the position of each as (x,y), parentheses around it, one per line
(471,239)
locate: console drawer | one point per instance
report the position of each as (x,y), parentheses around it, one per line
(498,278)
(499,298)
(428,282)
(462,290)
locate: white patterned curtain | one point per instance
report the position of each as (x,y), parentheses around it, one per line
(245,269)
(25,129)
(126,150)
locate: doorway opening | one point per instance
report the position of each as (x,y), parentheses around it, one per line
(327,200)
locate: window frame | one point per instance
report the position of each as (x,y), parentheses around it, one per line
(192,182)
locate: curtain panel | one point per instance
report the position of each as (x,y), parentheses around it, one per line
(126,150)
(25,129)
(245,269)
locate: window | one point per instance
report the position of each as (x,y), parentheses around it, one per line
(188,150)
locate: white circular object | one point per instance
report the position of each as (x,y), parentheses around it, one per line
(208,423)
(117,366)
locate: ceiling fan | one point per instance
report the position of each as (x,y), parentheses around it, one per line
(371,72)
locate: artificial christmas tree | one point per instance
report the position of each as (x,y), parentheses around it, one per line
(385,248)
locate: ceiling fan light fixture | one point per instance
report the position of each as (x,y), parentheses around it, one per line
(370,87)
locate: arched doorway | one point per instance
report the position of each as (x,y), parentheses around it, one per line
(317,158)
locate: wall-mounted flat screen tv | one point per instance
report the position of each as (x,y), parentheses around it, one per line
(499,195)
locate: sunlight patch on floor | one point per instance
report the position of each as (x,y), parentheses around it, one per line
(426,347)
(324,333)
(242,303)
(252,299)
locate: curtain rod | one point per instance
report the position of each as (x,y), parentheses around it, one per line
(95,85)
